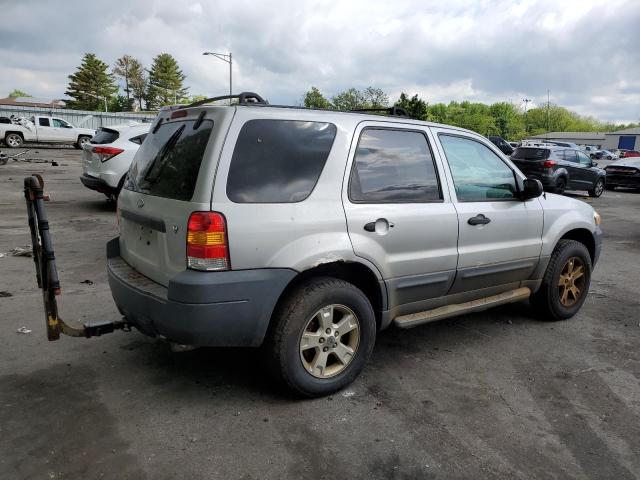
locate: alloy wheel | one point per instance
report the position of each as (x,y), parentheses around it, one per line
(329,341)
(571,284)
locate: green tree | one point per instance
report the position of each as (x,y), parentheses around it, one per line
(375,98)
(122,69)
(18,93)
(90,80)
(351,99)
(414,106)
(137,82)
(314,99)
(166,82)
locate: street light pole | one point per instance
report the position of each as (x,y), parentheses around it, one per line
(229,59)
(526,104)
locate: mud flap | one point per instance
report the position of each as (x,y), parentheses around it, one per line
(47,273)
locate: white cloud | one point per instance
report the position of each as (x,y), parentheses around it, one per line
(584,51)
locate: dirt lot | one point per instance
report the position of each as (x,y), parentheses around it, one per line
(491,395)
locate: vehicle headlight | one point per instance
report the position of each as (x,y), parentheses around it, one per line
(597,218)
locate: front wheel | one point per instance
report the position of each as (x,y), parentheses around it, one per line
(566,282)
(597,189)
(322,337)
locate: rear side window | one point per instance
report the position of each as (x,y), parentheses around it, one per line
(393,166)
(278,161)
(570,156)
(168,162)
(527,153)
(104,136)
(44,122)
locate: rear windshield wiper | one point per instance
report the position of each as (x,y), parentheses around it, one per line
(151,176)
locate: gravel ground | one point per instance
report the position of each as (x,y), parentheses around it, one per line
(497,394)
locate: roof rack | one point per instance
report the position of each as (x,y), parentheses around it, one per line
(393,111)
(243,99)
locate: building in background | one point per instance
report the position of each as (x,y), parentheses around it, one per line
(32,102)
(579,138)
(628,139)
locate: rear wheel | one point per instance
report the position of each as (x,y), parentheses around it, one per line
(597,189)
(82,141)
(13,140)
(323,335)
(566,282)
(561,185)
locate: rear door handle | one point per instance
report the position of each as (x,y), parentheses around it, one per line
(383,225)
(370,227)
(479,219)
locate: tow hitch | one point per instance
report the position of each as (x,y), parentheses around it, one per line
(46,272)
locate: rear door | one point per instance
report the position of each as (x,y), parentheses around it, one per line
(399,216)
(46,132)
(500,236)
(171,177)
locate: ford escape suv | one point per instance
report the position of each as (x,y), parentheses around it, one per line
(309,231)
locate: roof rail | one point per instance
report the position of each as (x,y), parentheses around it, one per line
(243,99)
(393,111)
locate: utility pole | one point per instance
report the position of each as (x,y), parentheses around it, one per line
(548,97)
(229,59)
(526,104)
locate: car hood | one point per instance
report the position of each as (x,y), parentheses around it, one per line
(626,162)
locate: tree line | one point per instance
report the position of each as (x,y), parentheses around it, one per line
(501,118)
(143,89)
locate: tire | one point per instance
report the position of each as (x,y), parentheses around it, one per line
(548,300)
(82,140)
(298,362)
(561,185)
(13,140)
(597,189)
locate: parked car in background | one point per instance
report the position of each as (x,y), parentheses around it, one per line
(43,129)
(560,168)
(309,231)
(562,144)
(623,173)
(631,153)
(606,154)
(502,144)
(514,145)
(108,156)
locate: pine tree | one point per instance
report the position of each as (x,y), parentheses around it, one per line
(165,85)
(90,80)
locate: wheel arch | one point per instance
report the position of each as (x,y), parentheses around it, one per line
(353,272)
(583,236)
(17,132)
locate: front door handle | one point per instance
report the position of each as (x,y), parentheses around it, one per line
(370,227)
(479,219)
(380,226)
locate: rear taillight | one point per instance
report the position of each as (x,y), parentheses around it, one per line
(106,153)
(207,246)
(549,164)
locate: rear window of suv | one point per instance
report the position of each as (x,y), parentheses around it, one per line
(278,161)
(529,153)
(168,161)
(104,136)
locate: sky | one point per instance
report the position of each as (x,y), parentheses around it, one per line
(586,53)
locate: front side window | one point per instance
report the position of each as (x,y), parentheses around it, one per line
(43,122)
(59,123)
(278,161)
(583,159)
(393,166)
(479,174)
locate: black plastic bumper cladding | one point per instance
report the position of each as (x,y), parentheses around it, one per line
(198,308)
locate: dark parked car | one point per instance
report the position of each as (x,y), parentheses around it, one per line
(502,144)
(624,173)
(561,168)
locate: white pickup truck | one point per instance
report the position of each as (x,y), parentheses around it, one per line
(43,129)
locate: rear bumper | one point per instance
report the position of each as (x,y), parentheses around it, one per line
(623,180)
(198,308)
(97,184)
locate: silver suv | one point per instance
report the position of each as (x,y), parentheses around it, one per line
(309,231)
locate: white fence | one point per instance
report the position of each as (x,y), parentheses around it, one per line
(79,118)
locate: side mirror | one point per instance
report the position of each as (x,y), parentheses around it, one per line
(532,188)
